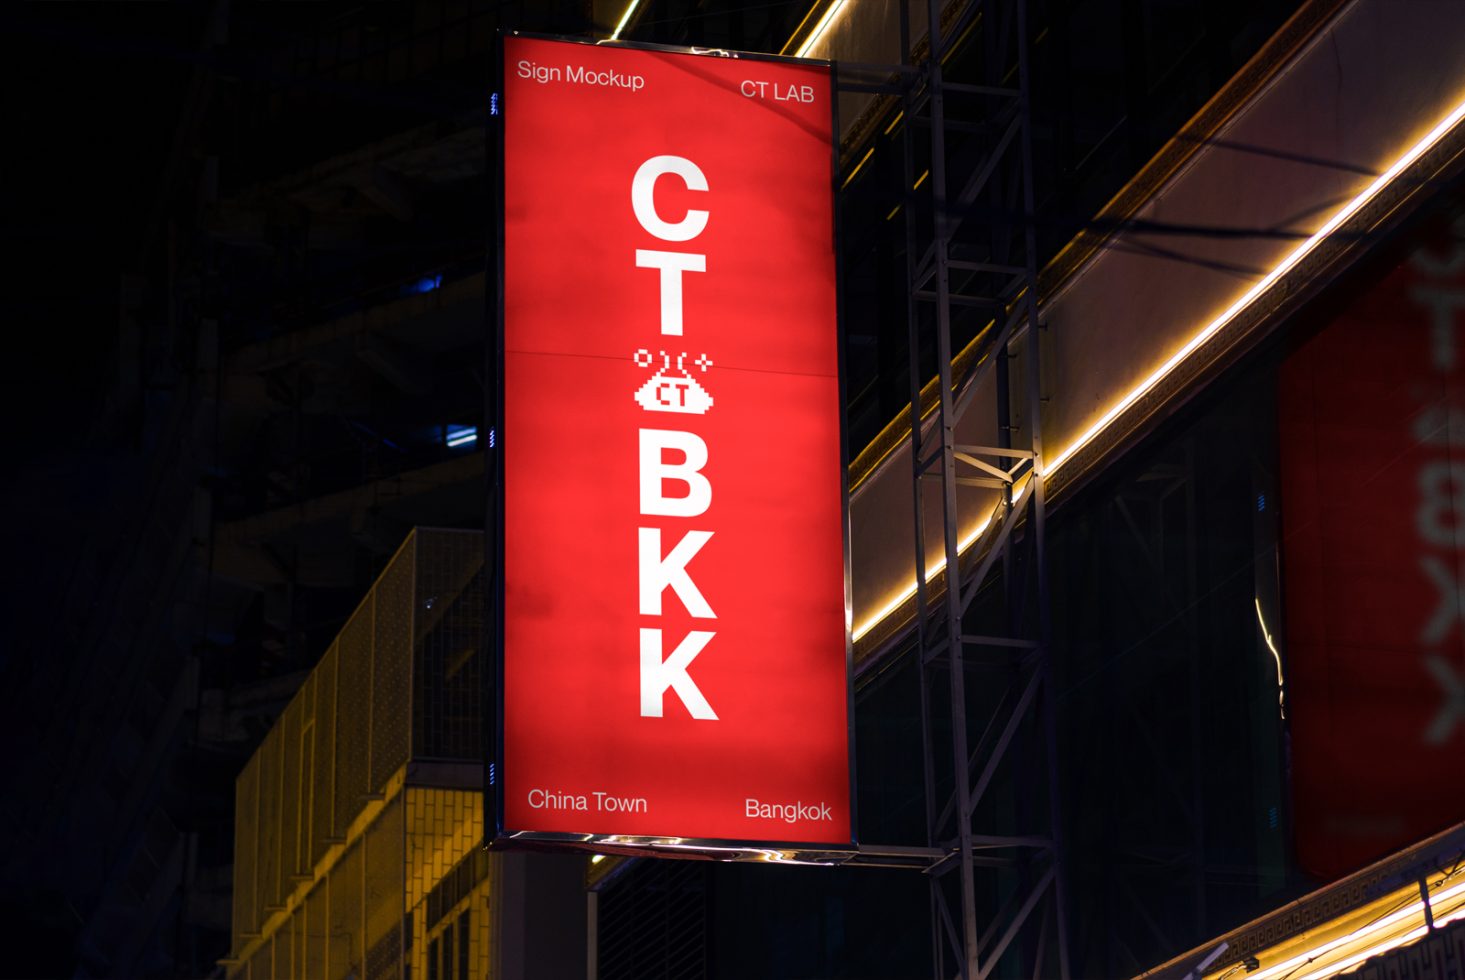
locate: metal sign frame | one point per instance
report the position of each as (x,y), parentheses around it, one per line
(501,836)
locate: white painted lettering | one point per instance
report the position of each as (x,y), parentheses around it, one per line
(655,472)
(657,573)
(543,799)
(581,75)
(787,812)
(540,73)
(1452,696)
(619,804)
(657,674)
(672,265)
(643,198)
(1441,501)
(1442,305)
(1451,598)
(1452,262)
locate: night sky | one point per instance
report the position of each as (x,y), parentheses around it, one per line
(93,95)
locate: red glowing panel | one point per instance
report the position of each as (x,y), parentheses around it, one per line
(675,633)
(1372,430)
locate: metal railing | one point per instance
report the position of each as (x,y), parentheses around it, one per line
(340,834)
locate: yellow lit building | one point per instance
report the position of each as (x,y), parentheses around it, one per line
(359,821)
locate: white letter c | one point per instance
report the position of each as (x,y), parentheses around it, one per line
(643,202)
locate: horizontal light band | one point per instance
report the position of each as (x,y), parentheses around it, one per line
(1118,407)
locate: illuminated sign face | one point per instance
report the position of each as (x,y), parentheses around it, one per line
(675,652)
(1372,424)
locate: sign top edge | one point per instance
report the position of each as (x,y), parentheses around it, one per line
(671,49)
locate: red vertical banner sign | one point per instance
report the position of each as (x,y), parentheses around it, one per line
(1372,439)
(675,626)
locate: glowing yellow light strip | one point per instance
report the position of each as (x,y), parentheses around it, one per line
(1382,947)
(858,167)
(1281,696)
(1262,285)
(835,9)
(932,570)
(1414,910)
(625,19)
(1421,147)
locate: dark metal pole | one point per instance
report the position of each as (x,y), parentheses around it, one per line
(913,339)
(947,422)
(1037,502)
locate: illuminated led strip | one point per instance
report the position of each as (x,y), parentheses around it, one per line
(835,9)
(858,167)
(1282,268)
(1382,947)
(1416,909)
(615,35)
(1281,683)
(1347,211)
(932,570)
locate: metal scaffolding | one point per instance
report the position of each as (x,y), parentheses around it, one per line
(997,887)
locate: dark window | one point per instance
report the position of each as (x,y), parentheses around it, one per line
(463,934)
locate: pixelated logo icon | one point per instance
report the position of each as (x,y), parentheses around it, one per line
(668,391)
